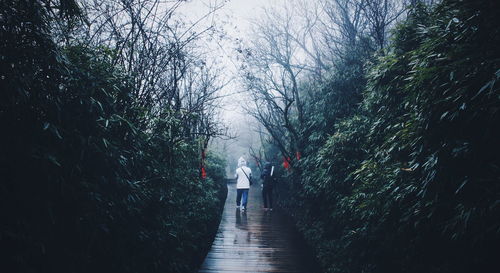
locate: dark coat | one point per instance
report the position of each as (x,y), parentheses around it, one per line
(266,175)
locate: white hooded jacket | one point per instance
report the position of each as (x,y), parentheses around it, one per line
(242,181)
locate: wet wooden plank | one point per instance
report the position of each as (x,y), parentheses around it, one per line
(254,240)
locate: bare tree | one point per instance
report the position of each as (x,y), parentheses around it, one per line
(298,42)
(381,16)
(160,53)
(343,25)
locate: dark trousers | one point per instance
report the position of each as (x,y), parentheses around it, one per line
(267,196)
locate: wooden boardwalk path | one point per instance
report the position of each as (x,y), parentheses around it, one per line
(255,240)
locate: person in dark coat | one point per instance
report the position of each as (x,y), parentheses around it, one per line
(267,186)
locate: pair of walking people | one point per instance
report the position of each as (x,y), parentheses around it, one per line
(243,182)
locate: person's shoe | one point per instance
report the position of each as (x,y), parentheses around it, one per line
(237,207)
(271,209)
(243,208)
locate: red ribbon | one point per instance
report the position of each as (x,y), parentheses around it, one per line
(203,173)
(286,162)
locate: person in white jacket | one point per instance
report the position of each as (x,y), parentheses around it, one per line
(243,176)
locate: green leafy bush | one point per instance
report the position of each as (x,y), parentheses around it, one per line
(409,181)
(83,188)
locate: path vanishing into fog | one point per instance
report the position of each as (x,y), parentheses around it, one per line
(255,240)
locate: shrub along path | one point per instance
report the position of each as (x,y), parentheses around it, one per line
(255,240)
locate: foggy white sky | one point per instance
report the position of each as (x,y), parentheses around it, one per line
(234,17)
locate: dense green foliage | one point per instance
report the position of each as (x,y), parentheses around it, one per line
(407,178)
(89,181)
